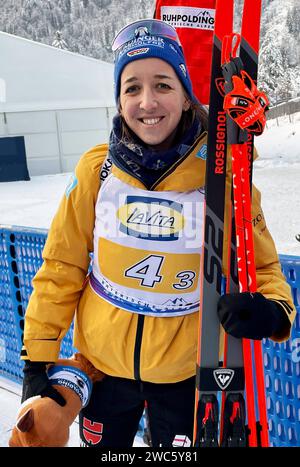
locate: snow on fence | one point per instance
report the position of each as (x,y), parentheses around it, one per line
(21,257)
(285,108)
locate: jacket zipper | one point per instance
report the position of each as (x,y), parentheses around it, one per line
(137,347)
(141,318)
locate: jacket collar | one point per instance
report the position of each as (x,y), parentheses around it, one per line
(188,173)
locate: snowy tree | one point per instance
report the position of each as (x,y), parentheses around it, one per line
(89,26)
(271,71)
(59,42)
(293,21)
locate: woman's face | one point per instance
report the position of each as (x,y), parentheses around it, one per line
(152,100)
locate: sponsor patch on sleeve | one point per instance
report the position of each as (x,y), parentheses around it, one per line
(202,153)
(72,185)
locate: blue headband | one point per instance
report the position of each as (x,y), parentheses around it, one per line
(150,46)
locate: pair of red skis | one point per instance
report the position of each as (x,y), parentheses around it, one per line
(242,424)
(236,113)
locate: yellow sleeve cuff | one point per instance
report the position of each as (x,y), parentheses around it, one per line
(41,350)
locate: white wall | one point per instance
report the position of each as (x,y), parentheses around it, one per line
(37,76)
(55,139)
(61,102)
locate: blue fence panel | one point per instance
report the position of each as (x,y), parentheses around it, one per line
(9,336)
(282,371)
(21,257)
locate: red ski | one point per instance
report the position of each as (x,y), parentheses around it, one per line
(249,119)
(234,377)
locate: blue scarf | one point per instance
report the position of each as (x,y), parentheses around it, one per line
(142,162)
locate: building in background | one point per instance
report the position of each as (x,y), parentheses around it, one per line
(62,103)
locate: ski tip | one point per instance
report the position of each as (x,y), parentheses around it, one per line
(297,237)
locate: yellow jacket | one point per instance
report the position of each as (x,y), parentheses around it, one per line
(117,342)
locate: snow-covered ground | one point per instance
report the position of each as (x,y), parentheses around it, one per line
(10,401)
(10,397)
(276,174)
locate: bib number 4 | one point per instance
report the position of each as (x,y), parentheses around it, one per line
(148,270)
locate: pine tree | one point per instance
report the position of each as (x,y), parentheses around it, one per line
(293,21)
(89,27)
(271,70)
(59,42)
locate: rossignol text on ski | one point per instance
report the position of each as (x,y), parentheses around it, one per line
(232,91)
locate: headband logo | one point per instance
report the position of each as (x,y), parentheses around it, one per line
(183,69)
(141,31)
(138,52)
(141,42)
(173,48)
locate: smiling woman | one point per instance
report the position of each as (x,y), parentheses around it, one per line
(150,92)
(152,104)
(138,204)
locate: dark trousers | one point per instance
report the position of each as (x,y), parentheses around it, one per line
(116,406)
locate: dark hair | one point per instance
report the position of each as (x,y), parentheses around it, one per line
(196,110)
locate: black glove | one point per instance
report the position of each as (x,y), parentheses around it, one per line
(251,315)
(36,383)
